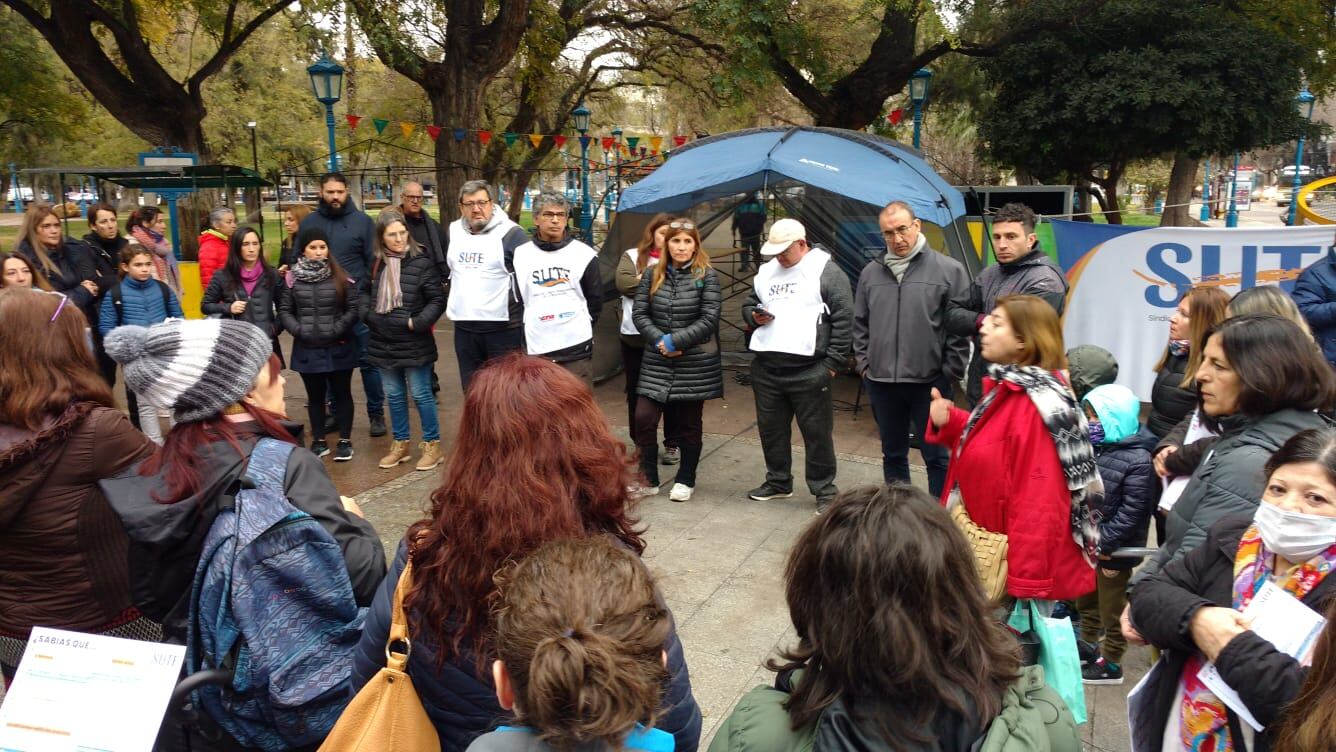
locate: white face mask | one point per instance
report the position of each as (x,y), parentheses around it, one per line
(1294,535)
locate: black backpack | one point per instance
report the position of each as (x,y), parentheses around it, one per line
(118,300)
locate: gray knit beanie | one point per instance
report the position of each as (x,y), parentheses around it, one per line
(193,368)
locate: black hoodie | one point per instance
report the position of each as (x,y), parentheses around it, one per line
(166,540)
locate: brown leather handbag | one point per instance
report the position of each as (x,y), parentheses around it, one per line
(387,714)
(990,549)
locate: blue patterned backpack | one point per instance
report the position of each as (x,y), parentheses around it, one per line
(271,601)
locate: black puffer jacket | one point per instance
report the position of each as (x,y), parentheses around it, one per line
(688,309)
(261,305)
(1129,498)
(74,265)
(1163,605)
(393,344)
(1169,402)
(320,323)
(106,258)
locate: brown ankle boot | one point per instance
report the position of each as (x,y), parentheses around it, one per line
(431,455)
(398,453)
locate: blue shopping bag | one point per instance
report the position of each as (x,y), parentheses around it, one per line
(1057,653)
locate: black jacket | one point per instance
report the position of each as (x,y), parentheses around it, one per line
(321,325)
(166,539)
(1162,608)
(1169,402)
(688,309)
(261,305)
(834,330)
(74,265)
(429,234)
(351,233)
(1130,493)
(393,344)
(106,257)
(463,705)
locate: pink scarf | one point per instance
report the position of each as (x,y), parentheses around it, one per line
(251,277)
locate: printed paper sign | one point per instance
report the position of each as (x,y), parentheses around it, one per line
(77,692)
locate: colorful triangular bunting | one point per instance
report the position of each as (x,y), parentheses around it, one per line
(380,125)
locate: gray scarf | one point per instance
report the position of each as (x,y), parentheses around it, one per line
(898,265)
(389,294)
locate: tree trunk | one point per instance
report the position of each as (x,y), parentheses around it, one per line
(1108,184)
(1182,179)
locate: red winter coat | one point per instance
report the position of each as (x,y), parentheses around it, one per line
(212,256)
(1011,482)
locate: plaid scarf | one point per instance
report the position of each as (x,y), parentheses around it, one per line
(1205,719)
(1066,424)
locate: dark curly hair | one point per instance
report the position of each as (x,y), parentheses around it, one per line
(1015,212)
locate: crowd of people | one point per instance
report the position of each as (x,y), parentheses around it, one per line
(519,603)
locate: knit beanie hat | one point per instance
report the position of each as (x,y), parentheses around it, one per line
(193,368)
(308,234)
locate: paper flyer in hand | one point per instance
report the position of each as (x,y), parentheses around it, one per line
(1282,620)
(76,692)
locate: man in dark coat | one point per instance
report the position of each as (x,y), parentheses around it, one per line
(748,227)
(426,232)
(1021,269)
(352,242)
(1315,294)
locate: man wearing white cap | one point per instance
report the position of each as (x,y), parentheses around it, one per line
(902,347)
(800,312)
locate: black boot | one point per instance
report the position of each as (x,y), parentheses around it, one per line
(649,464)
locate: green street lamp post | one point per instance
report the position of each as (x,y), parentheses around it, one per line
(327,84)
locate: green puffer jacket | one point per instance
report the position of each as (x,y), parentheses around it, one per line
(1033,719)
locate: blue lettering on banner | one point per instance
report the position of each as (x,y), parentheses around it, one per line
(470,257)
(786,288)
(1161,268)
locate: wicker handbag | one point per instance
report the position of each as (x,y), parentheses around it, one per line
(990,549)
(387,714)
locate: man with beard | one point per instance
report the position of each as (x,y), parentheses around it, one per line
(1021,269)
(351,236)
(483,304)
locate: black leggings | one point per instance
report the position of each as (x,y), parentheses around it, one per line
(319,387)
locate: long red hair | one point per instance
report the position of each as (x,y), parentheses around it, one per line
(533,461)
(180,455)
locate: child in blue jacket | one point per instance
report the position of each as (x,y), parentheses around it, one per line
(141,300)
(1129,499)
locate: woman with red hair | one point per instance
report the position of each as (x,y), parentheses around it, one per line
(533,461)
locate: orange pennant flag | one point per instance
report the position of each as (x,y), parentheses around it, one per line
(407,128)
(536,139)
(655,142)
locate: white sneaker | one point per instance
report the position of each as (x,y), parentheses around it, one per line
(639,492)
(680,492)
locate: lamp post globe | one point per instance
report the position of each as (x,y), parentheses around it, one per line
(919,83)
(327,85)
(1304,102)
(580,116)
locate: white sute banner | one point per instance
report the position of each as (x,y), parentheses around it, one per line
(1126,282)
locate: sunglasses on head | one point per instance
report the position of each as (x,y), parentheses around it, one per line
(681,226)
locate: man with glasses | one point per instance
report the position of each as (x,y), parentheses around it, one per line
(562,289)
(483,302)
(424,230)
(800,311)
(1021,269)
(351,236)
(902,348)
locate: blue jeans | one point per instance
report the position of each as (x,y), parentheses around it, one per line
(399,382)
(375,391)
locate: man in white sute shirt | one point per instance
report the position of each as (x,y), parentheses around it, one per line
(800,311)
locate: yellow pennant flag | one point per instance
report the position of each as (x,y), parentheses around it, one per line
(407,128)
(655,142)
(536,139)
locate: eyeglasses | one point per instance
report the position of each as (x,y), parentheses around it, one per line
(681,226)
(475,204)
(63,300)
(901,231)
(553,215)
(411,197)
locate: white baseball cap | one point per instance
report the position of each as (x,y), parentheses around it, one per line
(782,234)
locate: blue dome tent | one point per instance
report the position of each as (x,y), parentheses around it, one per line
(834,181)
